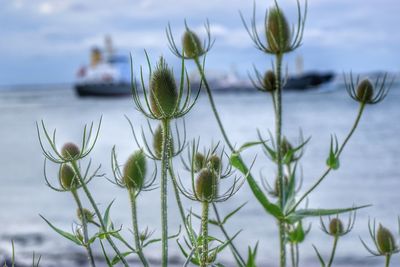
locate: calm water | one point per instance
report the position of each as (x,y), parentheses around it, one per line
(369,172)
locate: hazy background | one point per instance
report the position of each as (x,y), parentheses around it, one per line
(45,41)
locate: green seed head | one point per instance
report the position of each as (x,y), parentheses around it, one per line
(336,227)
(365,91)
(87,213)
(286,147)
(67,177)
(135,171)
(215,163)
(206,185)
(277,31)
(199,162)
(385,240)
(158,142)
(192,46)
(269,81)
(70,151)
(163,92)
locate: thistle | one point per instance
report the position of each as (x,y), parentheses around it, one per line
(366,92)
(280,39)
(383,240)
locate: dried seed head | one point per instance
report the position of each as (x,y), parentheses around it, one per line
(158,142)
(277,31)
(192,46)
(365,91)
(199,162)
(67,177)
(135,171)
(336,227)
(385,240)
(89,216)
(163,92)
(206,185)
(269,81)
(215,163)
(70,151)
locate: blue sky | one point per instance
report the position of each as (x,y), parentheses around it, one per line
(44,41)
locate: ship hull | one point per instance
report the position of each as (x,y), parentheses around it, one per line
(103,89)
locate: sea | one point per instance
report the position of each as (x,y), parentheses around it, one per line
(369,171)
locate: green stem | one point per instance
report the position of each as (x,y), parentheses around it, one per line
(164,175)
(328,170)
(213,107)
(132,198)
(84,227)
(278,136)
(297,255)
(387,261)
(231,244)
(204,234)
(292,255)
(335,241)
(98,214)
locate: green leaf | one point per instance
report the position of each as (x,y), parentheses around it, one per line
(106,217)
(251,259)
(305,213)
(109,264)
(67,235)
(249,144)
(117,259)
(233,213)
(321,260)
(271,208)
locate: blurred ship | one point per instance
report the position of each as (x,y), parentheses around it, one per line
(108,73)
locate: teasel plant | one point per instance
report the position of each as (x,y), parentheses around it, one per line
(73,177)
(336,229)
(164,101)
(280,39)
(133,178)
(206,172)
(385,243)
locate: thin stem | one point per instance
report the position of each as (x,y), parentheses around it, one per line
(292,255)
(335,241)
(213,107)
(204,233)
(98,214)
(231,244)
(297,255)
(164,176)
(132,198)
(84,227)
(178,200)
(328,170)
(278,136)
(387,261)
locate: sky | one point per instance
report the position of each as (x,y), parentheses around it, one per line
(45,41)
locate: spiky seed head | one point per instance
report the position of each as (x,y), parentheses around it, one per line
(206,185)
(89,216)
(286,147)
(199,161)
(215,163)
(365,91)
(336,227)
(385,240)
(68,178)
(192,46)
(163,91)
(70,151)
(269,81)
(158,142)
(135,170)
(277,31)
